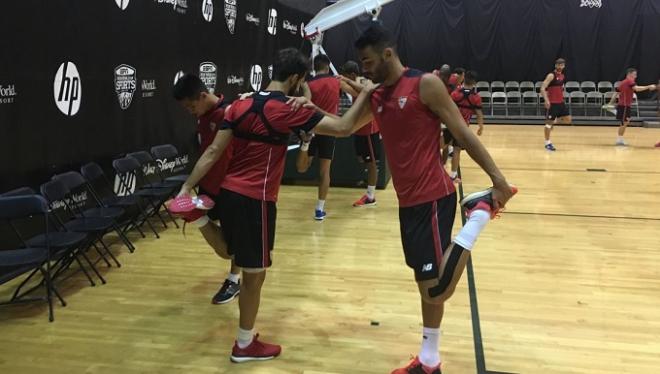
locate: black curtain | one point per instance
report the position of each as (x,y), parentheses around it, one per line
(155,38)
(519,40)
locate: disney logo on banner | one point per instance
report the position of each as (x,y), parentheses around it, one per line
(179,163)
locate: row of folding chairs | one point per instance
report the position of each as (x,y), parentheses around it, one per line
(571,86)
(51,230)
(578,102)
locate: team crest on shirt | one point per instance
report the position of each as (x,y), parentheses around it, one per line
(402,101)
(380,109)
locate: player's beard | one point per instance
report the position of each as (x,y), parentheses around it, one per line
(380,73)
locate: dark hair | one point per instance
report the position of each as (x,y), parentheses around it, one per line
(321,62)
(188,86)
(630,71)
(459,71)
(375,36)
(560,61)
(471,77)
(289,61)
(350,67)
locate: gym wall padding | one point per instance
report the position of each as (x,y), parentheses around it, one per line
(114,109)
(519,39)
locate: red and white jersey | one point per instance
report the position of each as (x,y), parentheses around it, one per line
(207,127)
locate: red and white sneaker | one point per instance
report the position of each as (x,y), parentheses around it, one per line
(256,351)
(482,200)
(416,367)
(365,201)
(190,208)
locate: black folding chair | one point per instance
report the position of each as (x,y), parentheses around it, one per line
(16,262)
(153,179)
(104,192)
(57,193)
(132,182)
(168,152)
(77,184)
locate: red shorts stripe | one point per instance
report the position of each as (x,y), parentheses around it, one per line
(437,243)
(264,234)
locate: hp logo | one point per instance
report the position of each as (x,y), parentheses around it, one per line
(67,89)
(256,76)
(207,10)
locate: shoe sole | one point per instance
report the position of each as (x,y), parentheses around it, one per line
(476,195)
(239,360)
(319,218)
(225,301)
(363,205)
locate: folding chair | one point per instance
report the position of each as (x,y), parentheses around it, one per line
(572,86)
(498,100)
(168,152)
(511,86)
(497,86)
(594,101)
(587,86)
(483,86)
(578,99)
(527,86)
(604,86)
(531,100)
(513,101)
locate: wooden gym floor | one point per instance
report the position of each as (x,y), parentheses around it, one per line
(568,281)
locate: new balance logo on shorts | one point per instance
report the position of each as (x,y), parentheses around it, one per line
(427,267)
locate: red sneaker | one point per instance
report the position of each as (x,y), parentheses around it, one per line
(416,367)
(190,208)
(365,201)
(256,351)
(482,200)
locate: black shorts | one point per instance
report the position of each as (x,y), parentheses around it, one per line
(449,138)
(322,146)
(557,111)
(367,147)
(426,235)
(249,228)
(623,113)
(214,214)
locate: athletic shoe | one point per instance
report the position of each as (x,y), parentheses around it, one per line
(621,142)
(482,200)
(190,208)
(227,292)
(416,367)
(256,351)
(365,201)
(657,145)
(319,215)
(456,179)
(550,147)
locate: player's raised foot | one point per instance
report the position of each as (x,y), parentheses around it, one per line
(550,147)
(482,200)
(227,292)
(416,367)
(319,215)
(364,201)
(190,208)
(256,351)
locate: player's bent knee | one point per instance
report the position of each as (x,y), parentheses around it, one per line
(446,283)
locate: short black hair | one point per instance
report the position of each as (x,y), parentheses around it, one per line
(471,77)
(459,71)
(321,62)
(289,62)
(376,36)
(351,67)
(189,86)
(630,71)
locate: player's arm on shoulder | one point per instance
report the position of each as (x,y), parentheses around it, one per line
(307,93)
(347,88)
(650,87)
(435,96)
(206,161)
(356,117)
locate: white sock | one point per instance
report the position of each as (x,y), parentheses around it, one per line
(305,146)
(453,174)
(547,142)
(619,138)
(234,277)
(320,205)
(244,338)
(473,227)
(200,222)
(371,192)
(429,355)
(450,149)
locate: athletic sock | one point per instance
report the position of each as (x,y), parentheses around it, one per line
(320,205)
(453,174)
(472,229)
(233,277)
(371,192)
(429,355)
(548,142)
(619,138)
(244,338)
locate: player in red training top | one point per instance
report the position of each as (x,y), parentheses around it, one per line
(553,95)
(625,93)
(469,103)
(409,106)
(209,109)
(259,128)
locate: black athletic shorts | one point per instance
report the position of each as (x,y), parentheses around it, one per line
(249,228)
(322,146)
(623,113)
(367,147)
(557,111)
(214,214)
(426,235)
(449,138)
